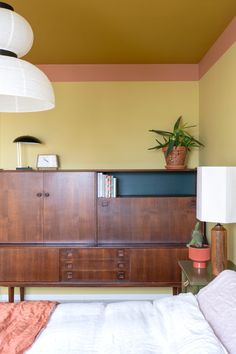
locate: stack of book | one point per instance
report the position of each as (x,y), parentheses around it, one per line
(107,186)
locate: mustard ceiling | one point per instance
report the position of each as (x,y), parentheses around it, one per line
(123,31)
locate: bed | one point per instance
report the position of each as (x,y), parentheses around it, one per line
(180,324)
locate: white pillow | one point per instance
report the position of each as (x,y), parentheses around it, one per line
(217,301)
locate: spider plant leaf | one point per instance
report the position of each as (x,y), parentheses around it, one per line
(197,141)
(160,143)
(177,123)
(186,126)
(166,140)
(177,137)
(170,147)
(155,147)
(161,132)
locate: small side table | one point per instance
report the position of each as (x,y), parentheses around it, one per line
(194,279)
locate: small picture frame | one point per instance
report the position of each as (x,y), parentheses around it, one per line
(47,162)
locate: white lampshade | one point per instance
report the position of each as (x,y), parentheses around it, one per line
(16,34)
(23,87)
(216,194)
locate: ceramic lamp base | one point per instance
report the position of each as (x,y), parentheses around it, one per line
(218,249)
(200,265)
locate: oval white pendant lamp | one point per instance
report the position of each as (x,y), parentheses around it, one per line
(23,87)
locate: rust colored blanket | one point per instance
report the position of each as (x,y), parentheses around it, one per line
(21,322)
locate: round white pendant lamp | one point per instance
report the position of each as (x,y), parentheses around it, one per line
(16,35)
(23,87)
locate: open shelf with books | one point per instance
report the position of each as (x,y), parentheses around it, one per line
(133,183)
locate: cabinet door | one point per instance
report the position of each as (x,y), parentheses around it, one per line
(156,265)
(69,207)
(29,264)
(146,219)
(21,212)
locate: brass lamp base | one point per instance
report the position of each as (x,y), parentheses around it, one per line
(218,249)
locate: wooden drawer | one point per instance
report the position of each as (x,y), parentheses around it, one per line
(94,275)
(94,264)
(87,265)
(93,253)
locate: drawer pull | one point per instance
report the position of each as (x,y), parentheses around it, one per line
(105,203)
(69,275)
(120,275)
(120,253)
(39,195)
(121,265)
(69,254)
(192,203)
(69,265)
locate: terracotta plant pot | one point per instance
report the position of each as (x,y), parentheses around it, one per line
(176,159)
(199,255)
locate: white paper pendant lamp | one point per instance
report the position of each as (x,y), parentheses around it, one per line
(23,87)
(16,35)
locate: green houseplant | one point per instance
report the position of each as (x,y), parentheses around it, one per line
(198,249)
(176,144)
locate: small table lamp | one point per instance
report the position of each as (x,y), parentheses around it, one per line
(24,139)
(216,202)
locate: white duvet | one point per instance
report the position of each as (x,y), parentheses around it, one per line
(171,325)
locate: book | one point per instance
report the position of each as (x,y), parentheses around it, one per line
(106,186)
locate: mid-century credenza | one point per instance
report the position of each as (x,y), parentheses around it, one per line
(57,230)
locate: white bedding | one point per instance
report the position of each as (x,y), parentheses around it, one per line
(172,325)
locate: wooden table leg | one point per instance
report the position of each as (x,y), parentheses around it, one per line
(11,294)
(22,294)
(176,290)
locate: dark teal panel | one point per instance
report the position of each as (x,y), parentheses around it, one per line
(156,183)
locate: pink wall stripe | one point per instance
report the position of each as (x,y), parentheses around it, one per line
(120,72)
(222,44)
(143,72)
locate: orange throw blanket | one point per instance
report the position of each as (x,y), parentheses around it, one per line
(21,322)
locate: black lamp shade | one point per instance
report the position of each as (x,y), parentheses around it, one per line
(27,139)
(4,5)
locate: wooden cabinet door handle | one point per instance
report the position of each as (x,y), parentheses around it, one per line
(69,265)
(192,203)
(120,253)
(120,265)
(69,275)
(39,195)
(46,194)
(120,275)
(105,203)
(69,254)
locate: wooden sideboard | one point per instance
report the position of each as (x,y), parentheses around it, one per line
(55,231)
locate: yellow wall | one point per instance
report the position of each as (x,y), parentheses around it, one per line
(92,291)
(103,124)
(217,111)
